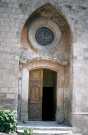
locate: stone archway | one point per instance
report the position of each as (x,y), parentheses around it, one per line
(55,57)
(55,66)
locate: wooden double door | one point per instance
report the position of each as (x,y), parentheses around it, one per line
(39,96)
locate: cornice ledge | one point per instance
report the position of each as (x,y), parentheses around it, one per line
(59,61)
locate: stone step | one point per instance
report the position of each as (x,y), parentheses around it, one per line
(49,132)
(46,128)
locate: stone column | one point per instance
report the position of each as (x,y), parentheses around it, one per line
(60,102)
(24,95)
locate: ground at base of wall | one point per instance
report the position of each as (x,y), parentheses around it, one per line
(46,128)
(8,134)
(42,134)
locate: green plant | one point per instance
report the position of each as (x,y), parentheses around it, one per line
(8,121)
(27,132)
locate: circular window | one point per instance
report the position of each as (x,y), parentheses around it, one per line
(44,34)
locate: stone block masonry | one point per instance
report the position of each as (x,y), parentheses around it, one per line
(13,15)
(9,55)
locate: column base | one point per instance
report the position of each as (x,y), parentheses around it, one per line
(24,117)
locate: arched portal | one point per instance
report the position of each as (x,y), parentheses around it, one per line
(50,65)
(46,44)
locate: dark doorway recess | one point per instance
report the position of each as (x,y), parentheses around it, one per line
(47,104)
(49,95)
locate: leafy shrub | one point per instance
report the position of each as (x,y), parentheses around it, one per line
(8,121)
(27,132)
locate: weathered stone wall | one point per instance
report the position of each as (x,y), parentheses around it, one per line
(13,15)
(9,54)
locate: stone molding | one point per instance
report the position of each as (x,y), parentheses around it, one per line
(59,61)
(26,68)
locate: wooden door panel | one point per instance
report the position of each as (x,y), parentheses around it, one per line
(35,94)
(35,112)
(35,75)
(35,90)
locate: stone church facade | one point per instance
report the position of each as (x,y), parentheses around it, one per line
(44,60)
